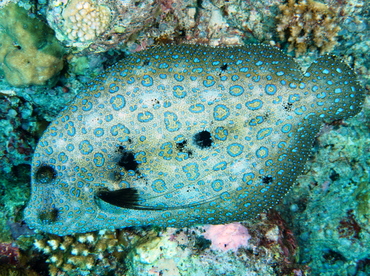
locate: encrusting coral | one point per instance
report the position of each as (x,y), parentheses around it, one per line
(229,236)
(307,24)
(29,52)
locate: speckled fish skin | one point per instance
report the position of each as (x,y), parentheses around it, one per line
(215,135)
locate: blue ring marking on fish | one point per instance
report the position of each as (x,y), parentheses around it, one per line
(221,112)
(217,185)
(85,147)
(235,149)
(262,152)
(118,102)
(263,133)
(236,90)
(145,116)
(254,104)
(270,89)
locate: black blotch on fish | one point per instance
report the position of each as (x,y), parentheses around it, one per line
(181,145)
(288,106)
(224,67)
(266,179)
(203,139)
(127,160)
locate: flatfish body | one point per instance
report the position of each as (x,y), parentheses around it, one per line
(183,135)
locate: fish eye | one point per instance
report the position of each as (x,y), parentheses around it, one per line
(203,139)
(48,217)
(45,174)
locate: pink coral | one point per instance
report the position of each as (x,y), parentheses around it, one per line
(227,237)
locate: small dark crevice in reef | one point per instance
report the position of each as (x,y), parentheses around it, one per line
(288,106)
(203,139)
(333,257)
(127,159)
(111,57)
(45,174)
(49,217)
(334,175)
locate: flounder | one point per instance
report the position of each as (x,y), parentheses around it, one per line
(182,135)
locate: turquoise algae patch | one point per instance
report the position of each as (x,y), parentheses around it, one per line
(182,135)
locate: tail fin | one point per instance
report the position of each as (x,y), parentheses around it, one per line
(336,92)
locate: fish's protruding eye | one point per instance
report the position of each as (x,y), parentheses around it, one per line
(48,217)
(203,139)
(45,174)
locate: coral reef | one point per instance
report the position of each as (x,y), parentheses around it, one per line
(335,239)
(17,124)
(308,24)
(97,252)
(253,21)
(12,262)
(9,253)
(329,208)
(135,26)
(101,23)
(29,52)
(169,252)
(187,252)
(8,270)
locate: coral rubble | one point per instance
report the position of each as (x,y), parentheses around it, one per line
(308,24)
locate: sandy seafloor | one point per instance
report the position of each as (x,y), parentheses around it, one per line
(322,227)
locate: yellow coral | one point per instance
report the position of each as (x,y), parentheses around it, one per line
(29,52)
(308,24)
